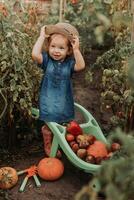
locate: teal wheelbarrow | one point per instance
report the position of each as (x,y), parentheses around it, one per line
(89,126)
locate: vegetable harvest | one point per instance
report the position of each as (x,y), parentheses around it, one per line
(8,177)
(87,147)
(74,128)
(98,149)
(50,169)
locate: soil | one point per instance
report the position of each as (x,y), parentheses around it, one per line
(88,95)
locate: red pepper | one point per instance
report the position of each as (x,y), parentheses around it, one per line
(74,128)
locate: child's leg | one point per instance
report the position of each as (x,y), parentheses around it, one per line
(47,139)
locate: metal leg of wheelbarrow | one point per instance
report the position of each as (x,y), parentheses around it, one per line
(54,147)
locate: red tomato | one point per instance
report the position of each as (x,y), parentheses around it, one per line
(72,143)
(115,146)
(69,137)
(75,147)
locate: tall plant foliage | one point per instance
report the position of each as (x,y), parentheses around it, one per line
(115,178)
(91,19)
(117,95)
(19,77)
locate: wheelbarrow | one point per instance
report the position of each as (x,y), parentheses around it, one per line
(89,127)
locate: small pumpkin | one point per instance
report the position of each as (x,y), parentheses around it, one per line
(50,169)
(8,177)
(97,149)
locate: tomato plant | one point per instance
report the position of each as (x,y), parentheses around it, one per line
(117,93)
(20,77)
(90,18)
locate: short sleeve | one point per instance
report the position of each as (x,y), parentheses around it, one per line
(45,61)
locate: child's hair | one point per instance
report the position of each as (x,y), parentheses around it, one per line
(48,41)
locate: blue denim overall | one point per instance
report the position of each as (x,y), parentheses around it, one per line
(56,102)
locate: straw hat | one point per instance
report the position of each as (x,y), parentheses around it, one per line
(63,28)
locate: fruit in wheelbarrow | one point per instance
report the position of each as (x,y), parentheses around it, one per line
(8,177)
(50,169)
(97,149)
(74,128)
(75,147)
(98,160)
(84,140)
(81,153)
(90,159)
(91,139)
(115,146)
(69,137)
(72,143)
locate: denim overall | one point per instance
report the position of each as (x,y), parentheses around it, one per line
(56,102)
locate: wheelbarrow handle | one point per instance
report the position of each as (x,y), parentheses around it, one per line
(36,180)
(22,187)
(21,172)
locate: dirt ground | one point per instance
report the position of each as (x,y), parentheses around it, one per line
(63,189)
(73,179)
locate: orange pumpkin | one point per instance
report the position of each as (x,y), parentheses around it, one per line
(50,169)
(8,177)
(97,149)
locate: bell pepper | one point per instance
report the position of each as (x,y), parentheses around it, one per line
(74,128)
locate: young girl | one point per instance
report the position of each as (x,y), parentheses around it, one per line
(61,58)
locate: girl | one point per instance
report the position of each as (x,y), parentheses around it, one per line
(61,58)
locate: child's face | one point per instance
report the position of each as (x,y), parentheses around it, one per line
(58,47)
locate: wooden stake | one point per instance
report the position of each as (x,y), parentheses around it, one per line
(132,29)
(61,11)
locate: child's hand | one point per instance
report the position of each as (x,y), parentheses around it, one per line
(42,32)
(75,42)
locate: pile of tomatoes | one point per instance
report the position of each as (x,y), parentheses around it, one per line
(87,147)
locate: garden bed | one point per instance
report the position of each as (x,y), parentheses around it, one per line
(28,154)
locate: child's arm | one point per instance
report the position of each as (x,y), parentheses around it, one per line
(80,63)
(37,49)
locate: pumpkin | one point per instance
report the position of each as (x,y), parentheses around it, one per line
(97,149)
(50,169)
(8,177)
